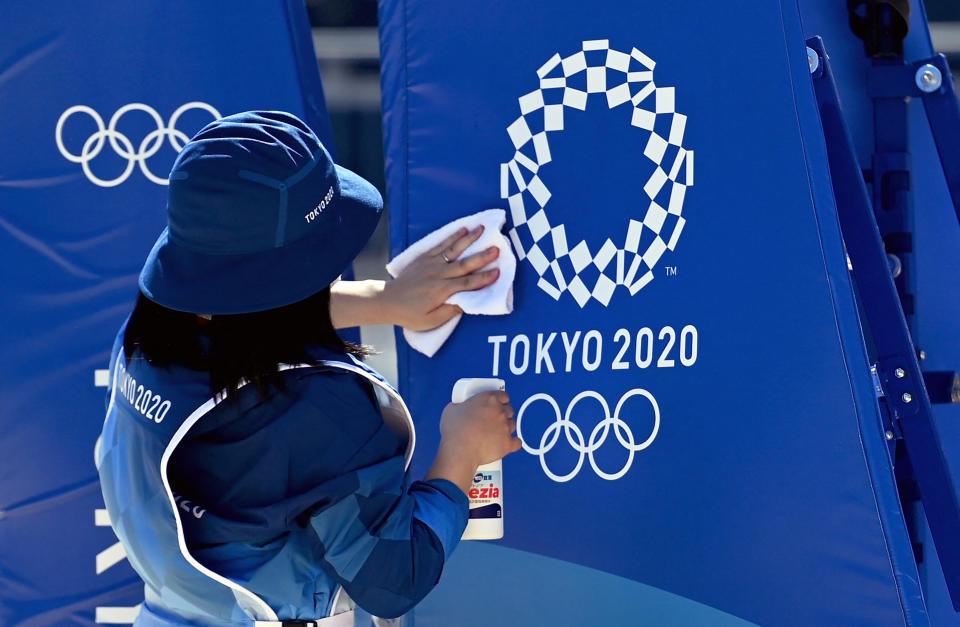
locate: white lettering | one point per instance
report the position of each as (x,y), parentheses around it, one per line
(644,347)
(569,346)
(109,615)
(323,204)
(188,506)
(518,341)
(115,554)
(543,352)
(110,557)
(688,345)
(653,348)
(150,404)
(598,340)
(671,336)
(621,336)
(496,340)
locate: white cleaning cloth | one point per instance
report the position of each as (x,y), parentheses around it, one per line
(496,299)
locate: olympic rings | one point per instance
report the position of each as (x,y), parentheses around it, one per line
(122,145)
(598,436)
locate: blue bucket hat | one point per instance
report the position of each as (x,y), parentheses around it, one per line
(259,217)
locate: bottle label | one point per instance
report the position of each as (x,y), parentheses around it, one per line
(486,511)
(486,497)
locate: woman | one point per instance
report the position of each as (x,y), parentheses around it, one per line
(253,467)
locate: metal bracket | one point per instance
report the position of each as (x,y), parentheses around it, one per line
(877,386)
(891,426)
(931,81)
(908,80)
(902,386)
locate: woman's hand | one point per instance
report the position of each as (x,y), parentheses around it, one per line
(416,299)
(472,433)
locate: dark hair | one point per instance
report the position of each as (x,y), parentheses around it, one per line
(234,347)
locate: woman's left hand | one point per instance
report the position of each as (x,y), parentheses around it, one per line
(416,298)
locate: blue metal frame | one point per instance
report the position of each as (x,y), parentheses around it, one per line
(897,365)
(898,82)
(890,174)
(943,114)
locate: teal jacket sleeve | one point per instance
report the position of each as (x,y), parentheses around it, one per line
(387,544)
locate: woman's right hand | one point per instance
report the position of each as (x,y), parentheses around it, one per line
(416,298)
(481,428)
(475,432)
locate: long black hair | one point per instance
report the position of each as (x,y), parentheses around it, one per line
(235,347)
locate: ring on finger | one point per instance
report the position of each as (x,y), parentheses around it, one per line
(443,254)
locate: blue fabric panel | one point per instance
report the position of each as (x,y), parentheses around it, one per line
(937,258)
(71,248)
(504,580)
(936,236)
(763,490)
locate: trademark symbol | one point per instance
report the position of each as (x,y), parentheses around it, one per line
(671,270)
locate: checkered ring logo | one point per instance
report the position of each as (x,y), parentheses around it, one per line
(625,79)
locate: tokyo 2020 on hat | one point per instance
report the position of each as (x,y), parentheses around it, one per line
(259,217)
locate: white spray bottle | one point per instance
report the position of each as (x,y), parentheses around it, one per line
(486,493)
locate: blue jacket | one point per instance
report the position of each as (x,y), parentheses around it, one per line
(240,547)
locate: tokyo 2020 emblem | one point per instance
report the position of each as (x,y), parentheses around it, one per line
(628,259)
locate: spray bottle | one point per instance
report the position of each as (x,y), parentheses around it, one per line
(486,493)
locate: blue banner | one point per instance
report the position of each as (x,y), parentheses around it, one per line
(702,438)
(97,101)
